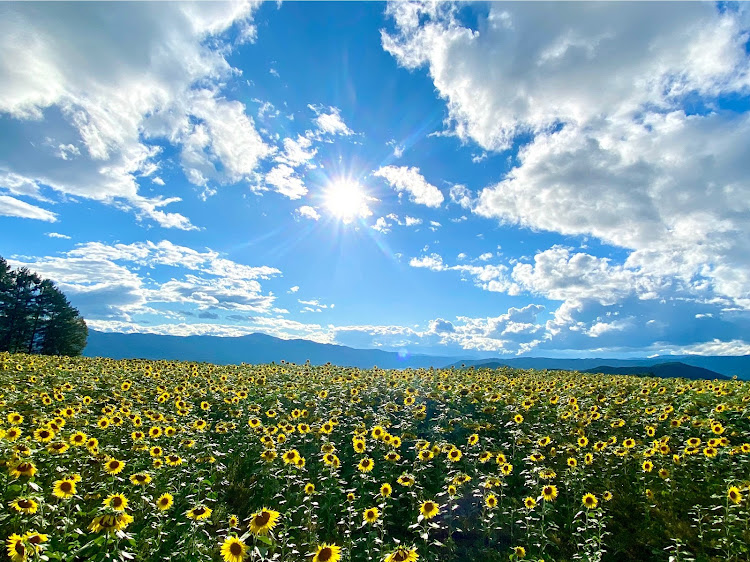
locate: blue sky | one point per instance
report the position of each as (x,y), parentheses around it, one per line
(480,179)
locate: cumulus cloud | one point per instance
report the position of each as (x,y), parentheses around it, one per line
(620,135)
(105,281)
(308,212)
(524,69)
(286,181)
(92,87)
(329,121)
(408,180)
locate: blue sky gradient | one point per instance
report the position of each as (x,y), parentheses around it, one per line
(484,179)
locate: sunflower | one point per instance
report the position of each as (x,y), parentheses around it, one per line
(118,502)
(519,551)
(15,418)
(44,435)
(371,515)
(734,495)
(35,539)
(78,439)
(13,433)
(114,466)
(234,522)
(264,521)
(57,448)
(647,466)
(491,501)
(269,455)
(156,451)
(164,502)
(549,493)
(110,522)
(454,455)
(291,456)
(309,489)
(199,513)
(17,550)
(64,489)
(327,553)
(589,501)
(233,550)
(386,490)
(365,465)
(429,509)
(406,480)
(24,505)
(506,468)
(140,479)
(425,455)
(607,496)
(529,502)
(173,460)
(402,554)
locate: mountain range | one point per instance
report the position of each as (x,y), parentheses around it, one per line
(262,348)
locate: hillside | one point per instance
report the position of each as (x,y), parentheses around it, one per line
(663,370)
(253,348)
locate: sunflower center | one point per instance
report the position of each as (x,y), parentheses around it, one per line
(116,502)
(235,549)
(66,487)
(400,556)
(325,554)
(200,510)
(20,549)
(262,519)
(24,503)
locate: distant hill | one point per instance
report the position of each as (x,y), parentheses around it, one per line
(662,370)
(261,348)
(253,348)
(724,365)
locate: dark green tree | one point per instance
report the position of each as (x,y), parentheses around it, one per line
(35,316)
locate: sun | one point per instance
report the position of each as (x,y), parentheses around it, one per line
(346,200)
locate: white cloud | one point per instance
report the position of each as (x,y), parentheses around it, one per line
(329,121)
(293,289)
(285,181)
(412,221)
(463,196)
(486,256)
(381,225)
(12,207)
(104,281)
(88,95)
(409,180)
(529,69)
(297,151)
(58,235)
(307,212)
(602,94)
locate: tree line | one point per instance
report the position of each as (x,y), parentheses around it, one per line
(35,316)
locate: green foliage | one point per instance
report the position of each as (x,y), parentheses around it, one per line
(35,316)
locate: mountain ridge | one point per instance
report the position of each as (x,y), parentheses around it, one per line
(263,348)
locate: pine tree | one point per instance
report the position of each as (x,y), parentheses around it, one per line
(35,316)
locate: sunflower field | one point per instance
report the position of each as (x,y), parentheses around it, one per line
(155,460)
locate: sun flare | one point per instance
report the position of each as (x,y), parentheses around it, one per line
(346,200)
